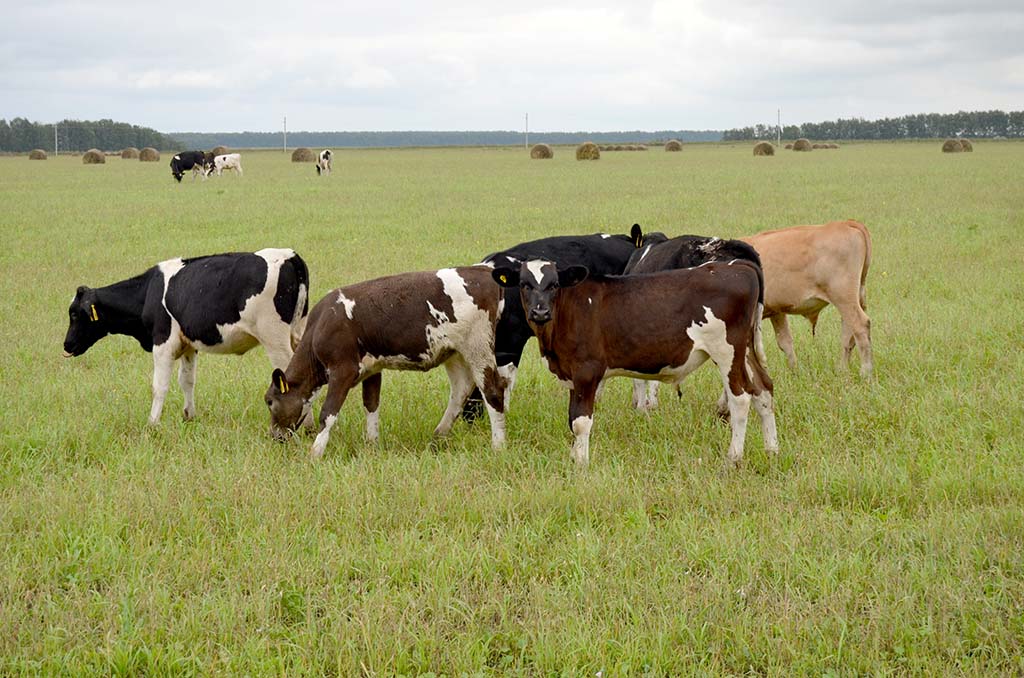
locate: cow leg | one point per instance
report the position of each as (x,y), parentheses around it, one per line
(856,329)
(187,381)
(341,382)
(737,395)
(371,403)
(784,338)
(581,419)
(764,403)
(163,362)
(461,380)
(491,382)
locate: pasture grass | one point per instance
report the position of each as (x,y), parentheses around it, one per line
(886,539)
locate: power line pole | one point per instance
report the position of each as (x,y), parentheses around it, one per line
(285,142)
(527,144)
(778,127)
(54,139)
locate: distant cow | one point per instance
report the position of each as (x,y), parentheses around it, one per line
(413,321)
(601,253)
(809,267)
(220,163)
(190,160)
(685,251)
(660,326)
(224,303)
(323,163)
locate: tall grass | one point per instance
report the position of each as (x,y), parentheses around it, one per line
(888,538)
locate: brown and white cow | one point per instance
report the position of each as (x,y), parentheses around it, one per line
(412,321)
(661,326)
(806,268)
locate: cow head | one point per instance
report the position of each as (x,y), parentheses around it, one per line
(87,323)
(538,282)
(176,171)
(288,408)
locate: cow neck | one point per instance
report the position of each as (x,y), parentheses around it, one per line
(304,370)
(121,306)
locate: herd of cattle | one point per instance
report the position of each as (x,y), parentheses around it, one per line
(206,163)
(644,306)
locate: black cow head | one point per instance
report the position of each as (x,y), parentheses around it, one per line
(87,323)
(176,170)
(538,282)
(288,409)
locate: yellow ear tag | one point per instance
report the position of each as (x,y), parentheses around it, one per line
(502,278)
(284,385)
(92,307)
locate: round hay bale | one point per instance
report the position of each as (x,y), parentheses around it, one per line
(618,147)
(816,146)
(94,157)
(220,150)
(789,147)
(952,146)
(541,152)
(764,148)
(802,145)
(588,150)
(37,154)
(641,148)
(303,154)
(966,146)
(130,153)
(149,154)
(673,145)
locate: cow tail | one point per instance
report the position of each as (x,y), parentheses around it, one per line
(301,313)
(757,352)
(867,261)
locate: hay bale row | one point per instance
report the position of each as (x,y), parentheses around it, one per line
(37,154)
(541,152)
(673,146)
(303,154)
(764,148)
(588,150)
(802,145)
(957,146)
(130,153)
(149,154)
(94,157)
(220,150)
(623,147)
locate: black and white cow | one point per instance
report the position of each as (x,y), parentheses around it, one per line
(224,303)
(685,251)
(600,253)
(232,161)
(411,321)
(660,326)
(197,161)
(323,162)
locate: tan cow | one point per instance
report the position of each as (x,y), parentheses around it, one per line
(806,268)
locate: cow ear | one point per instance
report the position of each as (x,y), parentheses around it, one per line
(506,277)
(573,275)
(278,382)
(636,234)
(82,289)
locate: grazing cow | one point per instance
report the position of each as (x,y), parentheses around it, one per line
(222,162)
(807,268)
(224,303)
(602,254)
(685,251)
(190,160)
(659,326)
(412,321)
(323,163)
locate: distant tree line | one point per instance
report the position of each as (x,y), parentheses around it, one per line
(21,135)
(975,124)
(203,140)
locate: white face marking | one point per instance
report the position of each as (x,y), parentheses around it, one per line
(536,268)
(349,304)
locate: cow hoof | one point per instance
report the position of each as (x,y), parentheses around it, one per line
(188,416)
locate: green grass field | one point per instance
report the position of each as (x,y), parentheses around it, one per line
(886,539)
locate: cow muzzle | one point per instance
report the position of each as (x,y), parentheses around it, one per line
(540,316)
(67,354)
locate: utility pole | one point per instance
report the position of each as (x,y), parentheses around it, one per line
(285,141)
(54,139)
(527,144)
(778,127)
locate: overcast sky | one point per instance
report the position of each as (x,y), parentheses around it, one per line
(227,65)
